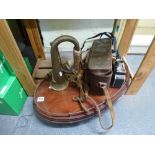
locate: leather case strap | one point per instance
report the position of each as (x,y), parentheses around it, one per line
(107,34)
(108,102)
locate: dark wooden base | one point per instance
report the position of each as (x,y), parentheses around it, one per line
(58,106)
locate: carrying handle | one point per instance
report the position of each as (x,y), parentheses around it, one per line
(108,34)
(55,55)
(109,104)
(102,85)
(65,38)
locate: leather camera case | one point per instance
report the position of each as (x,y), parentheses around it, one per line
(99,65)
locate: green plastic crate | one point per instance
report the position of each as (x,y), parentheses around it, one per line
(4,75)
(8,67)
(6,64)
(12,97)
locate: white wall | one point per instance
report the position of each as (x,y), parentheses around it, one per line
(79,28)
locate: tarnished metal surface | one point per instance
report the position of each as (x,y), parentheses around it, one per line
(59,81)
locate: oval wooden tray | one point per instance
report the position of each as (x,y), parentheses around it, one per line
(58,107)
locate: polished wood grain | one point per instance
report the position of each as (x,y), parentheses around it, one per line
(59,107)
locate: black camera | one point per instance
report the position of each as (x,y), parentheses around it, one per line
(119,73)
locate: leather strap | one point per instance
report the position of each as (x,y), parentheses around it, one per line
(79,100)
(108,34)
(108,102)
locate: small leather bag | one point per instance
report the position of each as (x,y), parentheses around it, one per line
(99,63)
(98,71)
